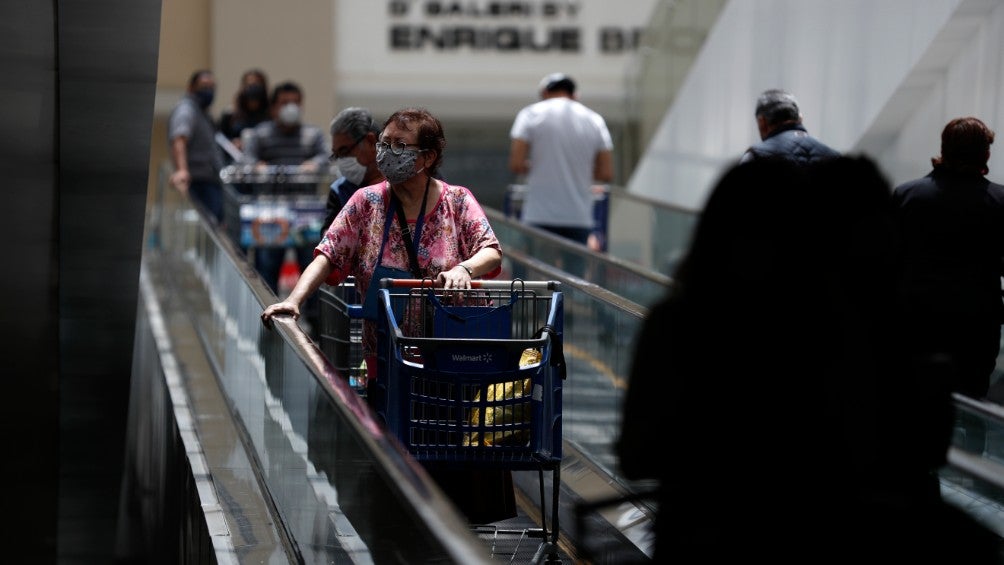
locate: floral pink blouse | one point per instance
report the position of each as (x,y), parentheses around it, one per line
(454,229)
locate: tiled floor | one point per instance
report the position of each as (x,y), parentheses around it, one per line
(965,494)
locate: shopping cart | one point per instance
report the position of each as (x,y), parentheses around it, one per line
(473,378)
(274,206)
(341,335)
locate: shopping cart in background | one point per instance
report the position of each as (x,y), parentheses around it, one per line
(274,206)
(341,335)
(473,378)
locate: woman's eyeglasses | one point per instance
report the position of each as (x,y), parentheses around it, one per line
(396,148)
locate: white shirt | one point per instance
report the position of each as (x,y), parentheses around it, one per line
(564,137)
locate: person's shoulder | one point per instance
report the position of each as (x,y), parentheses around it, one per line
(533,108)
(583,107)
(448,190)
(374,192)
(366,197)
(913,184)
(185,104)
(456,193)
(824,149)
(996,190)
(456,189)
(343,182)
(263,129)
(311,130)
(376,188)
(582,110)
(181,120)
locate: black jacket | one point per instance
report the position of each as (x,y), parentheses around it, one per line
(951,229)
(792,142)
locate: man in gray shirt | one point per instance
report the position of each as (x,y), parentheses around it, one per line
(196,158)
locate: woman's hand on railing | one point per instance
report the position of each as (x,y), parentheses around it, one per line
(180,180)
(284,308)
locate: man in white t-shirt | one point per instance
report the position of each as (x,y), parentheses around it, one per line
(562,148)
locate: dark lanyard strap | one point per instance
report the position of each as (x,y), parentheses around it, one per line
(410,243)
(386,229)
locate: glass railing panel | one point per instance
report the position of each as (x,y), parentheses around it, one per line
(628,280)
(975,470)
(599,329)
(649,233)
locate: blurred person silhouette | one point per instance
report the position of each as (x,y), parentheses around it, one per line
(774,373)
(285,140)
(782,134)
(562,148)
(452,242)
(951,222)
(195,156)
(354,135)
(250,106)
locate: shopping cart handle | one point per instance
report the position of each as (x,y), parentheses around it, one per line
(355,311)
(514,284)
(410,283)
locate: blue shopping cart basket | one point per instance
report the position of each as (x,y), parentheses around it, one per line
(473,378)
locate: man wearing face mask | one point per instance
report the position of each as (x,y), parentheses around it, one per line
(196,158)
(284,140)
(353,150)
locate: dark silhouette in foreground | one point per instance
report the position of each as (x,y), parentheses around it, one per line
(792,426)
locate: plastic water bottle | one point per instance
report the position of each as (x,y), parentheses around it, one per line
(358,380)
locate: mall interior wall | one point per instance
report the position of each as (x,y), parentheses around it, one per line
(879,78)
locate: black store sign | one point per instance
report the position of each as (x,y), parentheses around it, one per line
(449,28)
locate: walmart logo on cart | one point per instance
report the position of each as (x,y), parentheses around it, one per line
(467,358)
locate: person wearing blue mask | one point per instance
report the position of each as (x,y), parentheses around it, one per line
(196,157)
(354,135)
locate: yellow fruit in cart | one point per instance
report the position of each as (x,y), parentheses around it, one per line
(508,423)
(530,356)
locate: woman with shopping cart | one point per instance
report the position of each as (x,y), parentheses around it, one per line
(412,225)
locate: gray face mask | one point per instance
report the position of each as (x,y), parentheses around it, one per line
(350,168)
(397,168)
(289,114)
